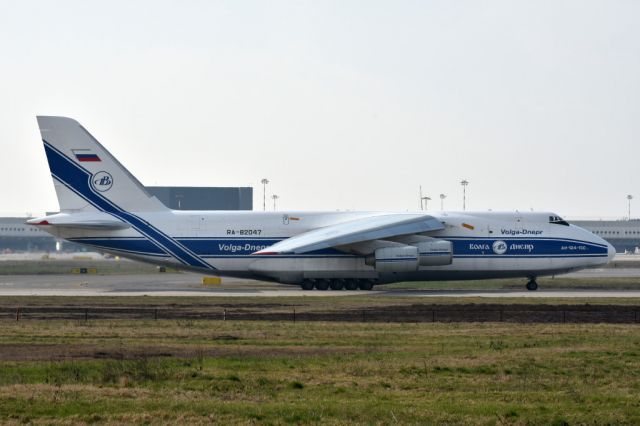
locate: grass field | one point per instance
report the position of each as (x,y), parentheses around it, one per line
(331,373)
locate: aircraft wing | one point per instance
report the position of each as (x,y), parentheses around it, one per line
(355,231)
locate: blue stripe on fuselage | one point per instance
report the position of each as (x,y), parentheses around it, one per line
(205,247)
(240,246)
(138,245)
(220,247)
(77,179)
(527,247)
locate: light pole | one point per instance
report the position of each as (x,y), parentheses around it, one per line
(629,198)
(442,197)
(275,197)
(426,202)
(264,193)
(464,184)
(421,204)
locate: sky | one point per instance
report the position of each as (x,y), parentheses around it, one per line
(342,105)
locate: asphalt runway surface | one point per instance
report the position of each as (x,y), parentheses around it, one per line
(187,284)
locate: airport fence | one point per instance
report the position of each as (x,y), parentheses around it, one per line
(415,314)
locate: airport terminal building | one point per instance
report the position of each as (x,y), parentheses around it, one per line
(624,235)
(15,235)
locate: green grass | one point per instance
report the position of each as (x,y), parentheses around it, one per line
(334,373)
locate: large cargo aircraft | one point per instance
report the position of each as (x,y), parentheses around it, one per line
(103,206)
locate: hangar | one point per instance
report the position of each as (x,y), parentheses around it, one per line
(202,198)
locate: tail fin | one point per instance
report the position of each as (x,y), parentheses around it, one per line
(86,176)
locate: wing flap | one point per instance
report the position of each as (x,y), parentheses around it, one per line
(355,231)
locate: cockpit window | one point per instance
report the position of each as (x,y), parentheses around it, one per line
(558,220)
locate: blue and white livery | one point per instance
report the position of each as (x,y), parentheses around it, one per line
(103,206)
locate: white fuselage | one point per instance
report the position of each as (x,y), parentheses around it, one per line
(485,245)
(105,207)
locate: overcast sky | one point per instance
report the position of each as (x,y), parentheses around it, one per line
(342,105)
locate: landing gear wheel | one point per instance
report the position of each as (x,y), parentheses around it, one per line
(307,285)
(351,285)
(336,284)
(322,285)
(532,285)
(365,285)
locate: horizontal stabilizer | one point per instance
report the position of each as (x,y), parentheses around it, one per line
(356,231)
(80,221)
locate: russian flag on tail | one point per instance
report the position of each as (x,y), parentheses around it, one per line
(83,155)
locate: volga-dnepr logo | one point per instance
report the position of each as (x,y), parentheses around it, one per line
(102,181)
(499,247)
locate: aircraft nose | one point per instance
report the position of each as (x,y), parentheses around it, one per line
(611,252)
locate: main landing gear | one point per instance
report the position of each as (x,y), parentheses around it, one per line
(307,285)
(532,285)
(337,284)
(351,285)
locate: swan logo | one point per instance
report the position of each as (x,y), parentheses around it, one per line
(499,247)
(102,181)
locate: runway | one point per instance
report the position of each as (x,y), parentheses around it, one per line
(539,294)
(605,273)
(187,284)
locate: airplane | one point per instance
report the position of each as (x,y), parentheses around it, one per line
(105,207)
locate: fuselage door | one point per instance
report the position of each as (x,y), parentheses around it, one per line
(193,226)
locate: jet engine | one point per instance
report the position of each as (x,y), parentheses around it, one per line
(409,258)
(396,259)
(435,253)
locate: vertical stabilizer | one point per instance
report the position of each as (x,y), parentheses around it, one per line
(86,176)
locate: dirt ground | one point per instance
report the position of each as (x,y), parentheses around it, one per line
(65,352)
(417,312)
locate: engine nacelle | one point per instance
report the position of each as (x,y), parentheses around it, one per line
(435,253)
(396,259)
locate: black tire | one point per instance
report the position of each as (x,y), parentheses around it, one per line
(351,285)
(532,285)
(365,285)
(307,285)
(322,285)
(336,284)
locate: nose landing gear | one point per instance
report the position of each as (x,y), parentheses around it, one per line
(532,285)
